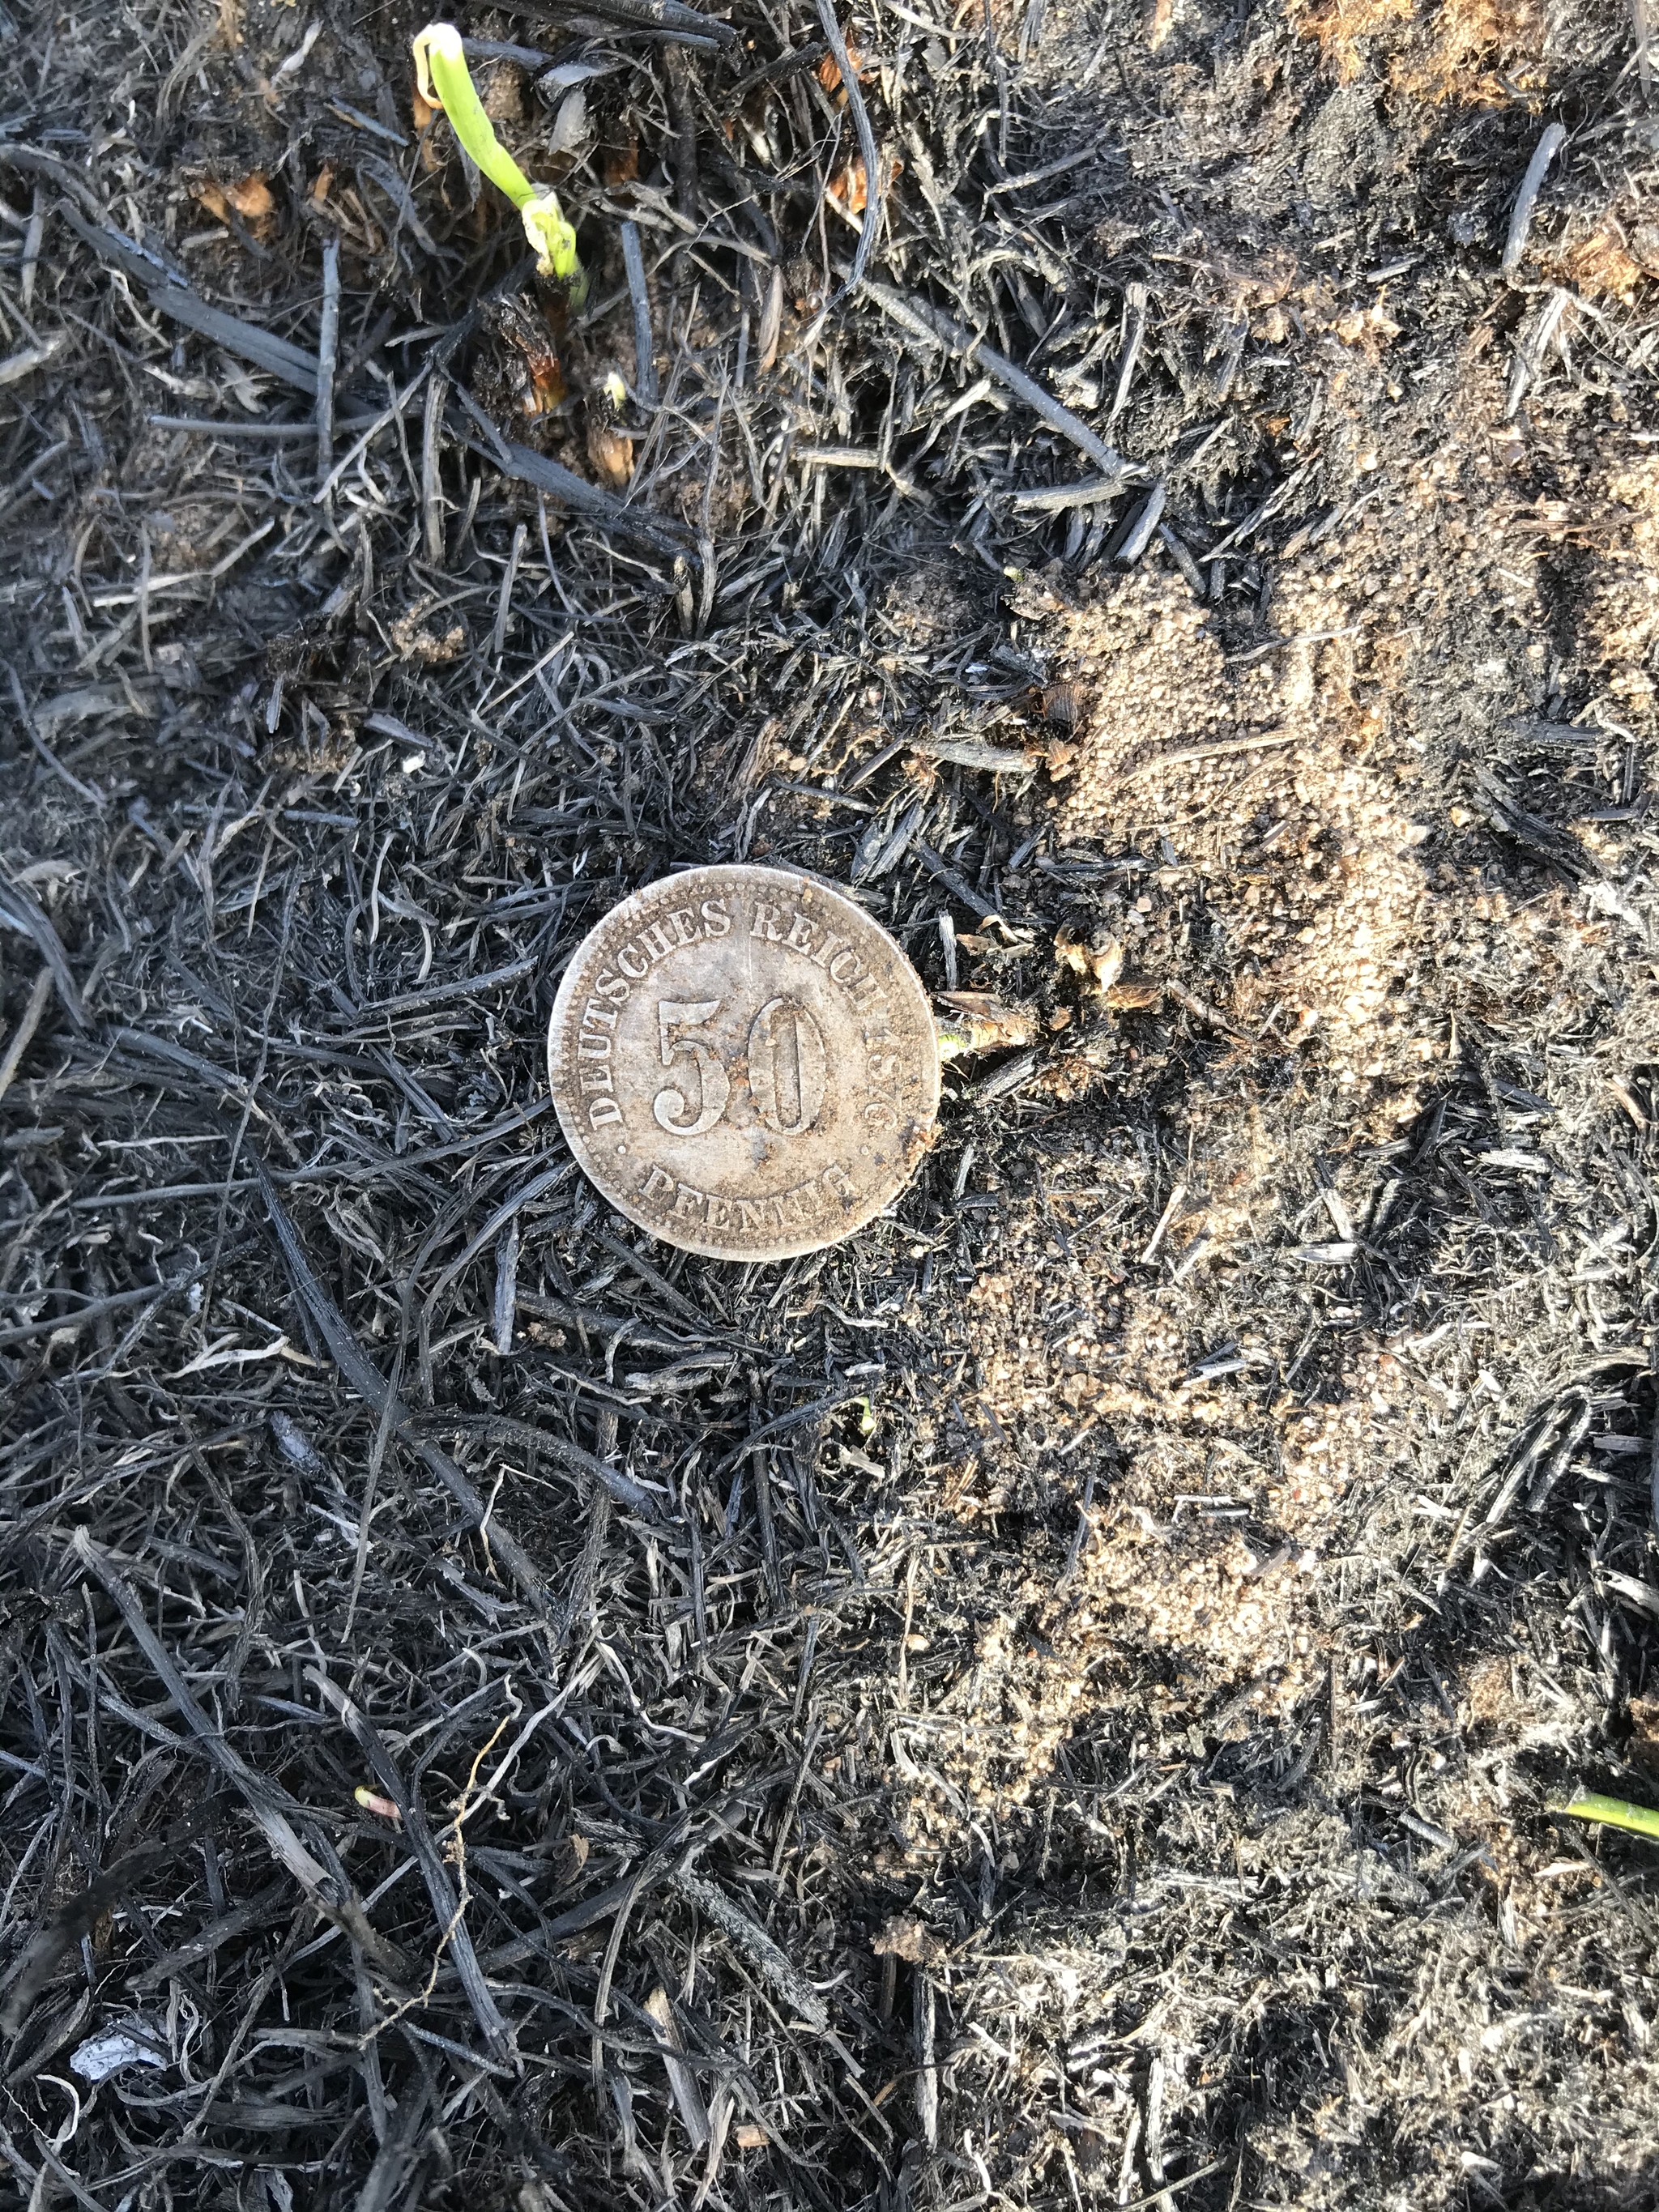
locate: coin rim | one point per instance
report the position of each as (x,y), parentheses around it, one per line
(716,874)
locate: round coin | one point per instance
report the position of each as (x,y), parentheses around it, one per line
(744,1062)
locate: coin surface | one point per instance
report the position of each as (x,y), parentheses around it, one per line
(744,1062)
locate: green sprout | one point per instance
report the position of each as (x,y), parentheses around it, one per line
(446,82)
(1614,1812)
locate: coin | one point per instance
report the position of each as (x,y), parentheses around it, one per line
(744,1062)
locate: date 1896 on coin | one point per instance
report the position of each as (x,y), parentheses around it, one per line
(744,1062)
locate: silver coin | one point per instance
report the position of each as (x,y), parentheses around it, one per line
(744,1062)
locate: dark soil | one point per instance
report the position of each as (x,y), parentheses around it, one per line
(1060,1697)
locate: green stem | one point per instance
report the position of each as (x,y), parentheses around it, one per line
(1613,1812)
(445,81)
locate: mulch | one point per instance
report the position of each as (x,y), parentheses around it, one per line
(496,1710)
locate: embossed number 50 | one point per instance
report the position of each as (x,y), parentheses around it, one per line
(787,1084)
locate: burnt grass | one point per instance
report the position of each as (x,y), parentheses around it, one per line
(1059,1699)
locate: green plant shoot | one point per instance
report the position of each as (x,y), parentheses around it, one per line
(1613,1812)
(444,81)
